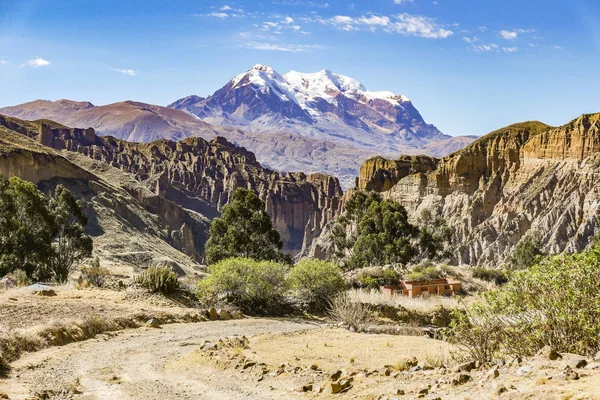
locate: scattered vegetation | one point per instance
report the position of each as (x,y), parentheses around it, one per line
(343,309)
(316,281)
(374,231)
(93,276)
(44,237)
(527,252)
(19,277)
(554,303)
(374,277)
(424,272)
(497,276)
(252,285)
(244,229)
(158,280)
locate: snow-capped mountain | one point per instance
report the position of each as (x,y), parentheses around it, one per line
(321,105)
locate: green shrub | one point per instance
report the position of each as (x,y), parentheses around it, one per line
(424,273)
(374,277)
(316,281)
(496,276)
(554,303)
(93,276)
(158,280)
(19,277)
(254,286)
(527,253)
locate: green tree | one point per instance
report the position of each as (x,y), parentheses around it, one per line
(527,253)
(43,237)
(435,237)
(26,227)
(244,229)
(70,243)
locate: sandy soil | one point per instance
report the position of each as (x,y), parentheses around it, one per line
(142,364)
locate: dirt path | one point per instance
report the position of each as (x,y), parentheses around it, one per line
(138,365)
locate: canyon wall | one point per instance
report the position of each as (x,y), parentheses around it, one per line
(524,179)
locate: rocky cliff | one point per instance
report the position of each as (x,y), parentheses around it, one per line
(192,179)
(523,179)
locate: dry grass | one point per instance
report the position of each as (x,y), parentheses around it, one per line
(420,304)
(343,309)
(344,349)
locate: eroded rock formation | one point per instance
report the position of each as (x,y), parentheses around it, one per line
(198,175)
(522,179)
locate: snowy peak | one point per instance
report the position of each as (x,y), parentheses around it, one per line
(322,105)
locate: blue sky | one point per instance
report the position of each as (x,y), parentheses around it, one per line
(469,66)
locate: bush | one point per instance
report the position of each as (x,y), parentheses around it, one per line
(527,253)
(158,280)
(254,286)
(554,303)
(19,277)
(316,281)
(343,309)
(93,276)
(374,277)
(496,276)
(424,273)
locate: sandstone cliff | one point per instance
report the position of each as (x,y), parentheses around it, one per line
(187,183)
(522,179)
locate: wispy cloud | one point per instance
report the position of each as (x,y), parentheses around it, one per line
(289,48)
(403,24)
(36,62)
(510,49)
(470,39)
(3,62)
(403,1)
(130,72)
(513,34)
(485,47)
(224,12)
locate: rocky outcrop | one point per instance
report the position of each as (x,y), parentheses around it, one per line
(380,174)
(200,176)
(524,179)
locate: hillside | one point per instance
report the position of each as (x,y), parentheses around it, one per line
(182,185)
(525,179)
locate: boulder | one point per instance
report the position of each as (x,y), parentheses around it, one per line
(153,323)
(223,315)
(460,379)
(576,362)
(549,353)
(212,314)
(466,367)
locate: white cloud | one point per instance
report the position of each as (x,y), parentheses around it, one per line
(225,8)
(403,1)
(288,48)
(218,15)
(509,35)
(403,24)
(3,62)
(470,40)
(510,49)
(36,62)
(513,34)
(130,72)
(557,47)
(288,20)
(485,47)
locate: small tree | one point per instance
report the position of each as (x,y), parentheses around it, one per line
(71,244)
(527,253)
(434,237)
(244,229)
(316,281)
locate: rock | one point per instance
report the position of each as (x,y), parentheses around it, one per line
(461,379)
(424,390)
(305,388)
(223,315)
(415,368)
(597,357)
(314,367)
(492,374)
(333,387)
(524,370)
(346,383)
(576,362)
(249,364)
(548,353)
(3,396)
(236,314)
(570,374)
(213,315)
(466,367)
(209,346)
(499,388)
(400,392)
(336,375)
(153,323)
(46,292)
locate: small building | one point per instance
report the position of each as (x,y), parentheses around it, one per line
(438,287)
